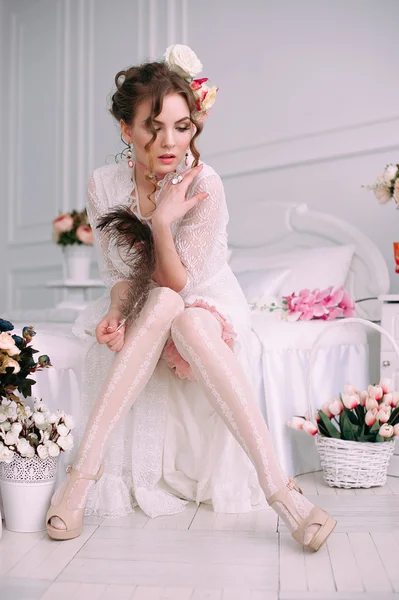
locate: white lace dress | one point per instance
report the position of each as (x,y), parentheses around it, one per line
(172,447)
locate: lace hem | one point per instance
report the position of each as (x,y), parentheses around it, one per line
(110,498)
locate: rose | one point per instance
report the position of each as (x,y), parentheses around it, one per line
(6,455)
(9,362)
(310,428)
(7,343)
(69,422)
(84,234)
(53,449)
(383,194)
(386,431)
(296,423)
(210,98)
(42,451)
(62,429)
(396,191)
(65,442)
(182,60)
(63,223)
(390,173)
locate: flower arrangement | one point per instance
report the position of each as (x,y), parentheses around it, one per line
(326,305)
(17,362)
(183,60)
(386,186)
(30,432)
(72,228)
(371,415)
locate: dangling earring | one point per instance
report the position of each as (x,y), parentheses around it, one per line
(187,161)
(129,155)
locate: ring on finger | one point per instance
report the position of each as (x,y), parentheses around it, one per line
(177,179)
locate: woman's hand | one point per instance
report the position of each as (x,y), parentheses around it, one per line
(172,203)
(106,330)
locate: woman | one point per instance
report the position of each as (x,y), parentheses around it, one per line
(171,384)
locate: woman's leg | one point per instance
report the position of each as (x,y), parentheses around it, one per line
(129,374)
(197,335)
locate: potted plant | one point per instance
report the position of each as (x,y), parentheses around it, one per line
(73,233)
(31,438)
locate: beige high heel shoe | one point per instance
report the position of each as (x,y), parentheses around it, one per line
(72,519)
(317,516)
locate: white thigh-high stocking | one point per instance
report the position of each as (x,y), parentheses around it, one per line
(197,336)
(129,374)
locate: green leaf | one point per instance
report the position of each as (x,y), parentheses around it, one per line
(347,430)
(376,427)
(394,418)
(370,437)
(352,417)
(360,414)
(332,431)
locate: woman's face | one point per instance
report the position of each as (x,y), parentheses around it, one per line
(174,132)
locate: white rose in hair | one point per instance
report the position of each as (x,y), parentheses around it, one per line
(42,451)
(23,447)
(62,429)
(53,449)
(183,60)
(6,455)
(66,443)
(69,422)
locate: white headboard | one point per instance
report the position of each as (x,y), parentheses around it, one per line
(273,227)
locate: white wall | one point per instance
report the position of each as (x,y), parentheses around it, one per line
(307,109)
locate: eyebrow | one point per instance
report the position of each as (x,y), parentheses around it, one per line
(179,121)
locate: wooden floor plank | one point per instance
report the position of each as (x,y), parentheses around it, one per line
(373,574)
(387,545)
(292,565)
(344,566)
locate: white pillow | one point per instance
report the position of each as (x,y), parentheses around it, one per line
(312,268)
(259,286)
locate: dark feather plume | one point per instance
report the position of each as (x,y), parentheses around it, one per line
(135,240)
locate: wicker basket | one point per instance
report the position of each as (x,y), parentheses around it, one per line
(348,464)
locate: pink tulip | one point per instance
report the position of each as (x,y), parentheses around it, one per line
(371,403)
(310,428)
(395,399)
(349,389)
(375,391)
(336,407)
(296,423)
(350,400)
(371,417)
(326,410)
(84,234)
(385,384)
(386,431)
(363,397)
(388,400)
(396,429)
(384,413)
(63,223)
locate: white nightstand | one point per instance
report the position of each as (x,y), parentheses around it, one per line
(389,362)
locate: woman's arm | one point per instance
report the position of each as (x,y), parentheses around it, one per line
(169,271)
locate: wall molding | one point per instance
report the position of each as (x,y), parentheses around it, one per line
(358,139)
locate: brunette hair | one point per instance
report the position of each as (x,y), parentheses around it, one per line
(152,81)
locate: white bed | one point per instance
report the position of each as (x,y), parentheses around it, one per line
(282,348)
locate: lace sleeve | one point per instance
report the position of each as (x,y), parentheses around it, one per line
(108,272)
(201,240)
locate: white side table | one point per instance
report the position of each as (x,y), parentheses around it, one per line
(389,362)
(76,293)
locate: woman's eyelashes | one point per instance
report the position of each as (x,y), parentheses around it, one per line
(181,129)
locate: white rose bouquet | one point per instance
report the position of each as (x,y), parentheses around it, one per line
(386,186)
(29,432)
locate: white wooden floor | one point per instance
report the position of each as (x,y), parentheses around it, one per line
(200,555)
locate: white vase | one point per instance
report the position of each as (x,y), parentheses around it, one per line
(27,485)
(77,262)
